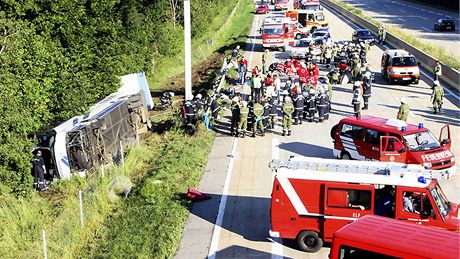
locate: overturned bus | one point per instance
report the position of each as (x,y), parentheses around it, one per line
(98,136)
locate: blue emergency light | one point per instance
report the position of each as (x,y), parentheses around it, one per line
(403,128)
(420,125)
(421,179)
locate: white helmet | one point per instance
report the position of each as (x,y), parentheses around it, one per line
(436,82)
(403,100)
(238,47)
(288,82)
(245,104)
(171,93)
(274,94)
(312,91)
(198,96)
(235,99)
(357,83)
(287,99)
(191,97)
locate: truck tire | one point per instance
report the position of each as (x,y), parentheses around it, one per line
(298,36)
(309,241)
(334,130)
(345,156)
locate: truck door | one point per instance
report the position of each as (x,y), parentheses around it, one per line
(444,137)
(344,203)
(415,205)
(392,150)
(370,146)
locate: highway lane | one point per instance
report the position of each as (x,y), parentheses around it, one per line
(243,221)
(416,19)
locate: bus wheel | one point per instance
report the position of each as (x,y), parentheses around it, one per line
(346,156)
(309,241)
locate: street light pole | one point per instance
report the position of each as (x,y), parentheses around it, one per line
(188,51)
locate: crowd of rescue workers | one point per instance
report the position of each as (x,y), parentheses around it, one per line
(304,96)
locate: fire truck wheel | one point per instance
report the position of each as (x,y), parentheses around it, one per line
(298,36)
(309,241)
(334,130)
(346,156)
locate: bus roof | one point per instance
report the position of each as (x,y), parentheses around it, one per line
(396,235)
(383,124)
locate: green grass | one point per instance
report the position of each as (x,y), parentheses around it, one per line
(57,211)
(435,51)
(150,223)
(224,33)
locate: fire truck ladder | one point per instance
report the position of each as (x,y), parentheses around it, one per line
(359,167)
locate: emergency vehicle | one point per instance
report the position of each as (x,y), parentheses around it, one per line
(311,5)
(312,198)
(281,32)
(380,237)
(399,66)
(379,139)
(311,20)
(281,4)
(300,48)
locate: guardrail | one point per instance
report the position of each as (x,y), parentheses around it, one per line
(449,75)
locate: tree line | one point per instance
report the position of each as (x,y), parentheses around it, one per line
(57,57)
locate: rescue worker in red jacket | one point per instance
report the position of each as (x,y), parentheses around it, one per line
(303,73)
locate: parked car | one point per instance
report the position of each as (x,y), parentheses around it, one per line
(262,9)
(363,35)
(444,24)
(300,48)
(321,34)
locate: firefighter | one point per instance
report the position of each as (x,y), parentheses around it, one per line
(199,103)
(356,101)
(367,90)
(264,67)
(436,97)
(166,100)
(404,109)
(311,104)
(298,104)
(363,54)
(258,118)
(333,76)
(251,112)
(190,110)
(273,115)
(215,108)
(437,71)
(382,34)
(243,122)
(38,171)
(288,109)
(235,107)
(355,68)
(266,106)
(328,56)
(236,54)
(328,94)
(321,103)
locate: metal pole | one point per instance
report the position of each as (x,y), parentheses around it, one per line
(122,155)
(45,254)
(188,51)
(81,208)
(102,169)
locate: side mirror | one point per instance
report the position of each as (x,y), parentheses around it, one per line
(418,63)
(432,214)
(403,149)
(445,142)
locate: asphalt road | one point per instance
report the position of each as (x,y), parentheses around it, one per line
(235,222)
(416,19)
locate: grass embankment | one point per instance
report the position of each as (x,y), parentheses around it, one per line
(150,223)
(435,51)
(57,210)
(223,32)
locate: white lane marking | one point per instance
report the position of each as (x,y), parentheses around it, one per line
(425,28)
(253,43)
(402,11)
(277,243)
(387,6)
(424,18)
(440,14)
(401,19)
(220,215)
(430,12)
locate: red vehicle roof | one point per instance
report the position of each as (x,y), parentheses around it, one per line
(417,240)
(377,122)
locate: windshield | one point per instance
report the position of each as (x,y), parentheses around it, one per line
(440,200)
(262,6)
(279,1)
(318,34)
(404,61)
(300,26)
(302,43)
(319,17)
(273,30)
(421,141)
(310,7)
(364,33)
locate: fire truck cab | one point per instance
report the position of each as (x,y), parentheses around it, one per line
(379,139)
(281,4)
(311,5)
(399,66)
(312,20)
(380,237)
(279,33)
(312,198)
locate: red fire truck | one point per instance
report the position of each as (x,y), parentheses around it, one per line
(312,198)
(311,5)
(379,139)
(380,237)
(279,33)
